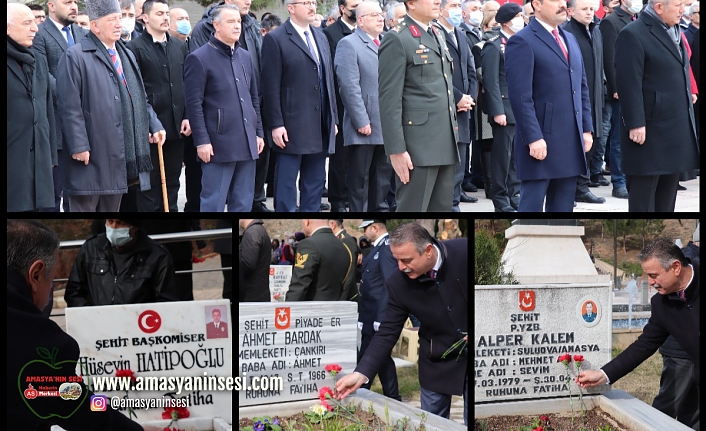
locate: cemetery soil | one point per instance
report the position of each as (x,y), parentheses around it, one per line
(595,419)
(369,420)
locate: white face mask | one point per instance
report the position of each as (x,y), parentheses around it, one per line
(400,20)
(635,7)
(475,18)
(517,24)
(128,25)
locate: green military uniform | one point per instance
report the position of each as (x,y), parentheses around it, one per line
(419,114)
(321,267)
(349,287)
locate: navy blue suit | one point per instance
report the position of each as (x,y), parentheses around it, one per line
(223,108)
(549,98)
(377,267)
(294,98)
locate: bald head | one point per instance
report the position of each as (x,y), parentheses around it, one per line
(21,26)
(310,225)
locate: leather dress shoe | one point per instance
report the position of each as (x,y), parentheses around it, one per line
(507,209)
(469,187)
(466,198)
(621,193)
(325,206)
(260,207)
(324,193)
(603,181)
(680,187)
(339,209)
(593,184)
(589,197)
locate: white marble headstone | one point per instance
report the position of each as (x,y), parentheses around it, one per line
(164,339)
(294,341)
(521,330)
(280,277)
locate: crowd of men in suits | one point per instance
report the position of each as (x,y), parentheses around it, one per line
(102,116)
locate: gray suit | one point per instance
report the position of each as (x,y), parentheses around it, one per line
(50,43)
(369,173)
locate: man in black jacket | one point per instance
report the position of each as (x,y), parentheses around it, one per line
(675,311)
(121,266)
(255,246)
(161,60)
(590,42)
(432,284)
(610,27)
(337,190)
(32,253)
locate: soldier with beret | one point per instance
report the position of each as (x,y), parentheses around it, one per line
(505,187)
(417,102)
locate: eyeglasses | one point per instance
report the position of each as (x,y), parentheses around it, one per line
(305,3)
(378,15)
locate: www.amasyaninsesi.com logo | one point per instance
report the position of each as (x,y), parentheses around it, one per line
(46,377)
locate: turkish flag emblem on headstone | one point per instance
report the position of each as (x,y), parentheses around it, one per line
(526,300)
(282,317)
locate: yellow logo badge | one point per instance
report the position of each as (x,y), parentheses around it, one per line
(301,260)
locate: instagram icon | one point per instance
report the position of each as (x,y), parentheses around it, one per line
(98,403)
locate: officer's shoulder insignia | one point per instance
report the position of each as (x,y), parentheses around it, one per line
(301,260)
(396,29)
(415,31)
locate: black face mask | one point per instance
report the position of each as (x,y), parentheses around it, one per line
(352,16)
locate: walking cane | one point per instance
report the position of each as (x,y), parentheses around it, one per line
(164,180)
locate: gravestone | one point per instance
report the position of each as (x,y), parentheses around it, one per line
(280,277)
(294,341)
(166,340)
(521,330)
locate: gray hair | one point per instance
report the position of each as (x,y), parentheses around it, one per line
(218,10)
(390,10)
(29,241)
(413,233)
(465,5)
(334,12)
(691,8)
(664,251)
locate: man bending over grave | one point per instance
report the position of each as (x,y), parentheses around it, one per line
(675,312)
(121,266)
(432,284)
(39,347)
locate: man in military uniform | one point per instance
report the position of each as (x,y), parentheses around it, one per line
(505,187)
(349,288)
(377,267)
(417,101)
(321,265)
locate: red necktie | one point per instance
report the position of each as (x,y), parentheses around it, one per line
(555,32)
(377,42)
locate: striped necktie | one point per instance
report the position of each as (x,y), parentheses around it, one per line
(118,66)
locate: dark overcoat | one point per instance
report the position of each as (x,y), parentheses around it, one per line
(378,265)
(163,75)
(89,100)
(31,138)
(673,316)
(655,92)
(441,305)
(464,79)
(222,101)
(255,247)
(291,94)
(549,98)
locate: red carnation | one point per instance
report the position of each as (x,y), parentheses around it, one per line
(175,413)
(544,418)
(565,359)
(125,373)
(324,391)
(333,369)
(578,358)
(538,429)
(328,407)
